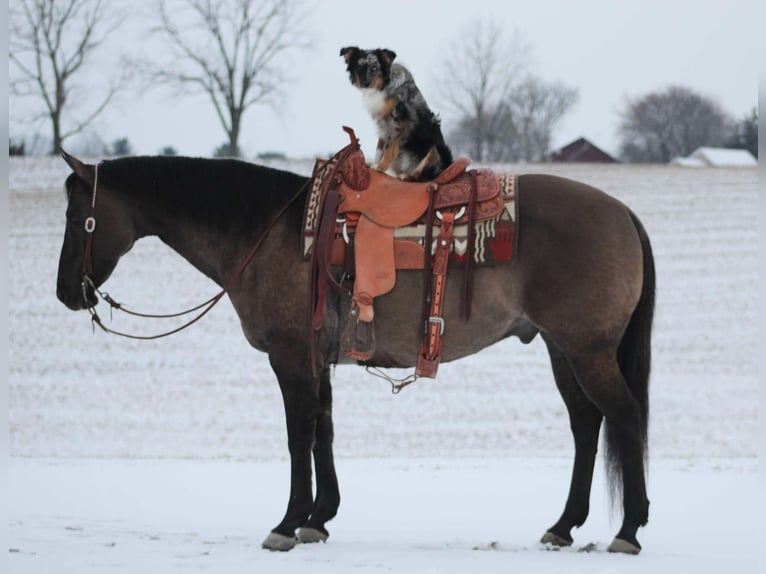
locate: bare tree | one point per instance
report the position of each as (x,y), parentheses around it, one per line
(666,124)
(481,70)
(496,136)
(50,43)
(745,134)
(536,108)
(521,126)
(229,50)
(503,113)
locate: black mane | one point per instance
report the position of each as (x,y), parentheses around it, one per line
(225,193)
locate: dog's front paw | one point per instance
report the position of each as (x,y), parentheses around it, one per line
(404,177)
(374,165)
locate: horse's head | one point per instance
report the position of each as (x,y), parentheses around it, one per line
(93,209)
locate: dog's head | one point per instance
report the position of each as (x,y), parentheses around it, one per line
(368,69)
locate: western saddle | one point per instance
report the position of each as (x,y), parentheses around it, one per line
(358,212)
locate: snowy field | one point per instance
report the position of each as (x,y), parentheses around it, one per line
(132,456)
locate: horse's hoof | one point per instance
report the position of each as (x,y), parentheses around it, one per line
(279,542)
(307,535)
(554,539)
(623,547)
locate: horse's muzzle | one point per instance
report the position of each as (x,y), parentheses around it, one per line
(77,299)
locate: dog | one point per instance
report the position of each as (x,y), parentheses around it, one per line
(410,140)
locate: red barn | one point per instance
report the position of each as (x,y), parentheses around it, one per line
(582,151)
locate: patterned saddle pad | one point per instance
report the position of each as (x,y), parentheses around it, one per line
(495,239)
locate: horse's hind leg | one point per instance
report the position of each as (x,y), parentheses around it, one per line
(327,497)
(603,383)
(585,421)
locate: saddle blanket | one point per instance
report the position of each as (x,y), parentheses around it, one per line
(495,239)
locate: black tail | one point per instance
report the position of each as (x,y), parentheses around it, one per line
(634,357)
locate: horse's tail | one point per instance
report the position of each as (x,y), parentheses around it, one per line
(634,359)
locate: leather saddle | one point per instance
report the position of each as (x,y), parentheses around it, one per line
(361,209)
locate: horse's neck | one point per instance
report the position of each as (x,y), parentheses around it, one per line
(212,251)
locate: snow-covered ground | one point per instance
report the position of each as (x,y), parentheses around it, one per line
(418,516)
(157,456)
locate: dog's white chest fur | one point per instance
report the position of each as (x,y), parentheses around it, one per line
(374,101)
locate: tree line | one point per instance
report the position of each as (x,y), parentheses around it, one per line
(674,122)
(232,52)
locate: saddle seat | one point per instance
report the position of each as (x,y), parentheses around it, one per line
(390,202)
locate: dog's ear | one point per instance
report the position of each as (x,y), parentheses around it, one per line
(386,56)
(349,52)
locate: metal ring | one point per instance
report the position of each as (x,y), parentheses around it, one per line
(90,224)
(458,215)
(345,232)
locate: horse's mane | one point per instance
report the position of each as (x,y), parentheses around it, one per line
(226,193)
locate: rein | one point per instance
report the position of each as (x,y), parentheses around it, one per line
(87,270)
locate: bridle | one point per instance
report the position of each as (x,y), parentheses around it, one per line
(90,227)
(87,271)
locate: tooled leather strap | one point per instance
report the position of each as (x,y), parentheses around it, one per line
(431,348)
(321,274)
(467,291)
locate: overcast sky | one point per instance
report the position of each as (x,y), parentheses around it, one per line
(608,49)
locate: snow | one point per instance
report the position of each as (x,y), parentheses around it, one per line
(717,157)
(400,515)
(171,455)
(688,162)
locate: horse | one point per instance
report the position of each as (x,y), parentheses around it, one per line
(583,279)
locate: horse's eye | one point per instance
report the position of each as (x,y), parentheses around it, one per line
(74,219)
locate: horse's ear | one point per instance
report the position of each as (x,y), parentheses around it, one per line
(83,170)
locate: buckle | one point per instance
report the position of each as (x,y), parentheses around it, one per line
(439,321)
(458,215)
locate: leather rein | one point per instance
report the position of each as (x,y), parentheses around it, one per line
(87,270)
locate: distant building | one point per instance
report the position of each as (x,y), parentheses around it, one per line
(581,150)
(717,157)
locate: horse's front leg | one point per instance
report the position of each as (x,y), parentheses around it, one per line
(327,494)
(300,393)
